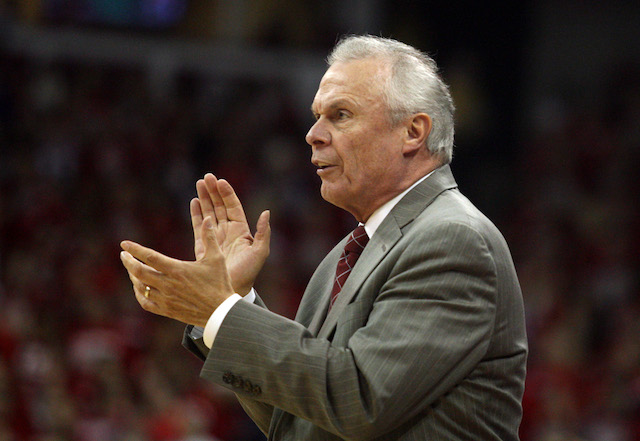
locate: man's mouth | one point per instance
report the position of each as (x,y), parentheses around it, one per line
(324,169)
(322,166)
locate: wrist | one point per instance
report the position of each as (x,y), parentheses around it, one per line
(244,290)
(210,329)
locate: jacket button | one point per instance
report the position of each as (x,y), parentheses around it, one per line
(228,377)
(237,381)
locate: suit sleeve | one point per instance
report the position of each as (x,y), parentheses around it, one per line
(426,327)
(259,412)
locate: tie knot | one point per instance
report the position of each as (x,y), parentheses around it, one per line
(357,241)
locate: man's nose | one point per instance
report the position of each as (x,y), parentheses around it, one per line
(318,135)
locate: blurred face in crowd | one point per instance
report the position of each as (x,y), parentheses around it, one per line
(357,151)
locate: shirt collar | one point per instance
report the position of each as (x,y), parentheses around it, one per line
(383,211)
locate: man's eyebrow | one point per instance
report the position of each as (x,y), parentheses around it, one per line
(335,104)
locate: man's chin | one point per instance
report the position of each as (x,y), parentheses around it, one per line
(331,194)
(338,197)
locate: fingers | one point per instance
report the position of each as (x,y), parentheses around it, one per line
(232,204)
(209,240)
(144,275)
(205,197)
(147,302)
(139,287)
(225,203)
(219,208)
(140,274)
(195,209)
(147,264)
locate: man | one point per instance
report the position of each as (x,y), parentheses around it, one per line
(425,338)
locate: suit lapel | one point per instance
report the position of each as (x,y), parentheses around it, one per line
(321,290)
(312,311)
(420,197)
(315,301)
(385,237)
(376,249)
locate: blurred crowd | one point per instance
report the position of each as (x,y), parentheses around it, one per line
(575,236)
(89,157)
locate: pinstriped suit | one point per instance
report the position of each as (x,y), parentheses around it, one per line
(425,342)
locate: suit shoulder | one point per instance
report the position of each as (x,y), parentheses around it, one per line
(451,215)
(452,207)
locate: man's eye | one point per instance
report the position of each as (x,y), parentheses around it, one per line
(342,114)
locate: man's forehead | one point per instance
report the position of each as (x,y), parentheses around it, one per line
(361,70)
(351,79)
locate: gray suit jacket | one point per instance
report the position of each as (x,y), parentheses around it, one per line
(425,342)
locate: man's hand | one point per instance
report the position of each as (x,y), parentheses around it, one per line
(244,254)
(184,291)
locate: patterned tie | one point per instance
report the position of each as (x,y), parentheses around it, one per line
(352,250)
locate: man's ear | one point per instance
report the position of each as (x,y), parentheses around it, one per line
(418,129)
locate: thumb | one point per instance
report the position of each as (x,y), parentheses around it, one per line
(263,233)
(209,240)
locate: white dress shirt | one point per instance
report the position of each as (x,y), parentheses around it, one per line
(372,224)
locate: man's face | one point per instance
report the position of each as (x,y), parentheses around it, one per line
(357,152)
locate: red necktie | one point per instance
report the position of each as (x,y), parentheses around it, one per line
(352,250)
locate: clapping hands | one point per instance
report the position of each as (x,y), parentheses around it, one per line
(228,258)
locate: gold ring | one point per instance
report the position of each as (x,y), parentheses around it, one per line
(147,290)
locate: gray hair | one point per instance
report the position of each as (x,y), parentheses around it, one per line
(414,86)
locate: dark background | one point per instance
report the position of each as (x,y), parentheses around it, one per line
(110,110)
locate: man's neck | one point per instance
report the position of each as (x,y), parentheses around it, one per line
(379,215)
